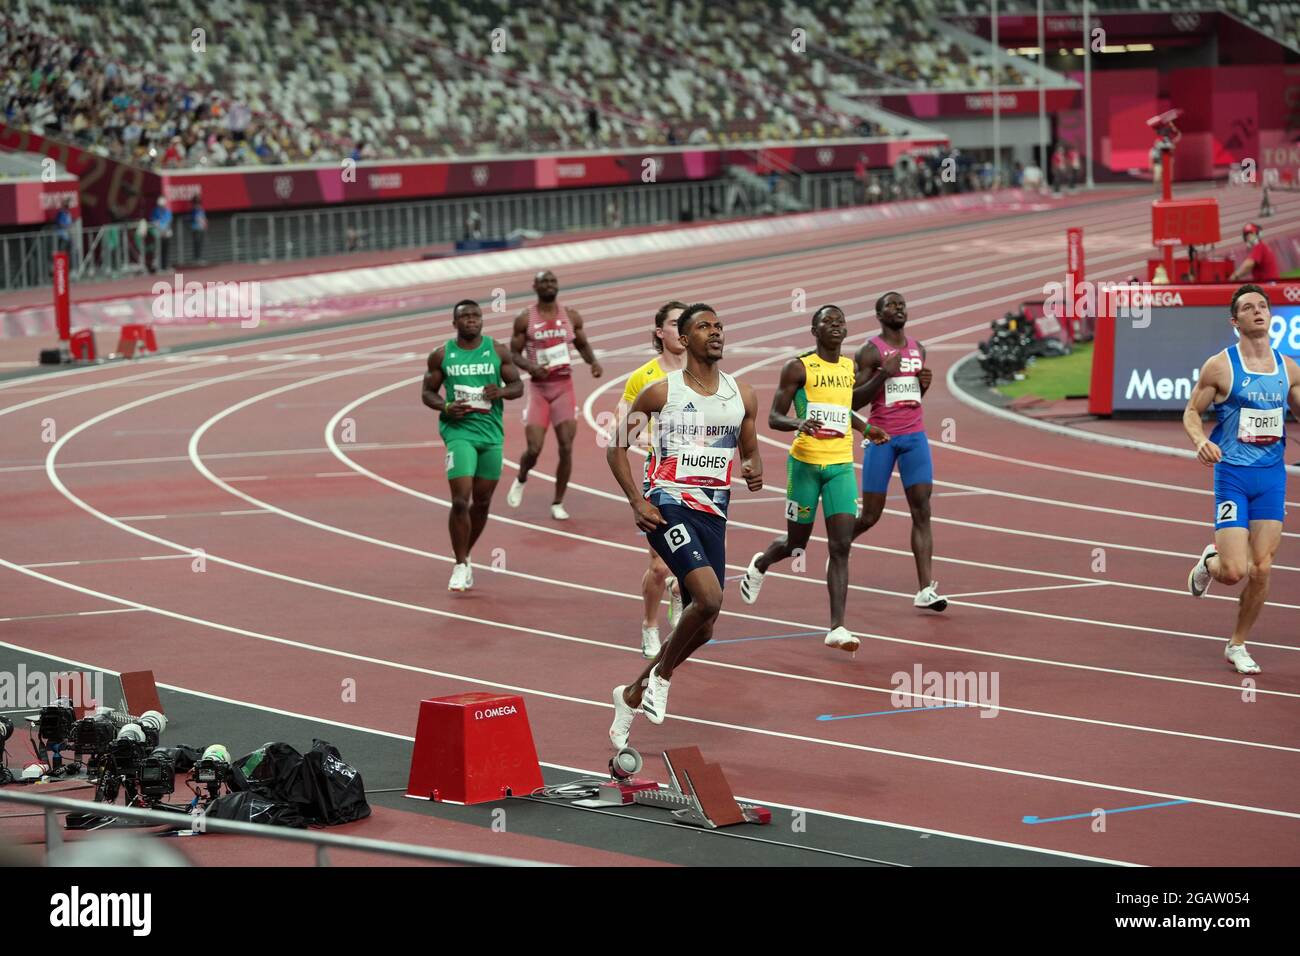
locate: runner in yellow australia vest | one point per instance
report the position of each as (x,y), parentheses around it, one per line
(820,385)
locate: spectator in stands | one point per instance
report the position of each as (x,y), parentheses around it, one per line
(199,227)
(161,224)
(1075,159)
(1260,264)
(593,123)
(473,226)
(1018,174)
(1060,168)
(613,214)
(63,226)
(860,178)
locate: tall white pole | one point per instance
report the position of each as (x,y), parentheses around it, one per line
(1087,90)
(997,106)
(1042,95)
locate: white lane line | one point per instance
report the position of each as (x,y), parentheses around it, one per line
(1047,587)
(42,617)
(191,514)
(72,564)
(69,662)
(336,474)
(247,478)
(271,453)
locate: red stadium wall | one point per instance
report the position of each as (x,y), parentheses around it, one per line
(110,191)
(1230,113)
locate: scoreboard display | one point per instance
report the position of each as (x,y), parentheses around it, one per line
(1149,359)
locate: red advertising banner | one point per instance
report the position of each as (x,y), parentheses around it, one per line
(36,202)
(1118,27)
(1010,102)
(110,191)
(62,300)
(283,187)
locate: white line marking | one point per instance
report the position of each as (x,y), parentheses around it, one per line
(1046,587)
(70,564)
(41,617)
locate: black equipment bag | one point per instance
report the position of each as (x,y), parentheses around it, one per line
(340,794)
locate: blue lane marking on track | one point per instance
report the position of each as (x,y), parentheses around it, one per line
(899,710)
(773,637)
(1080,816)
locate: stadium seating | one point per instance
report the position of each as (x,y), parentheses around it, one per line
(313,81)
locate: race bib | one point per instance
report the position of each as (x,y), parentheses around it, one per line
(1259,426)
(554,356)
(473,394)
(710,467)
(904,391)
(832,420)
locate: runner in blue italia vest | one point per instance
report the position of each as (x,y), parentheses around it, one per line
(1250,385)
(466,381)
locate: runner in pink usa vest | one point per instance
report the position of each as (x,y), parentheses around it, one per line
(893,365)
(540,347)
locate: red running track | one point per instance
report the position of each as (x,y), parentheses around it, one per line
(308,474)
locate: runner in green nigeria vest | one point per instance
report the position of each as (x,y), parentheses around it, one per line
(466,372)
(467,381)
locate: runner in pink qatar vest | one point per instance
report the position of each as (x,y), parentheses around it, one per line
(897,407)
(547,341)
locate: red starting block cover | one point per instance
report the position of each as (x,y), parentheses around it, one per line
(136,337)
(473,748)
(82,346)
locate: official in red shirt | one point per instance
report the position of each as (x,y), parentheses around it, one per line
(1260,264)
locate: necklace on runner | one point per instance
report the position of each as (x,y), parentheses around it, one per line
(702,385)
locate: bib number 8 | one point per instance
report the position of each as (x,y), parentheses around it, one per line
(677,536)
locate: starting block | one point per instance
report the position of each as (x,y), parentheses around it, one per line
(81,346)
(697,792)
(473,748)
(136,336)
(140,692)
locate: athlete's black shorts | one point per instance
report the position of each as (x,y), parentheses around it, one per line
(690,539)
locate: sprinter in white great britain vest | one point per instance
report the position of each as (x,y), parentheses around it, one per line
(703,417)
(540,347)
(1250,385)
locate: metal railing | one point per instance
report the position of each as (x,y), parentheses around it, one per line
(51,806)
(95,254)
(338,230)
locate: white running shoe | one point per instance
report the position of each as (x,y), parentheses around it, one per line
(558,512)
(459,578)
(674,603)
(751,581)
(1198,579)
(649,642)
(515,496)
(1240,659)
(469,575)
(841,639)
(929,599)
(623,717)
(654,699)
